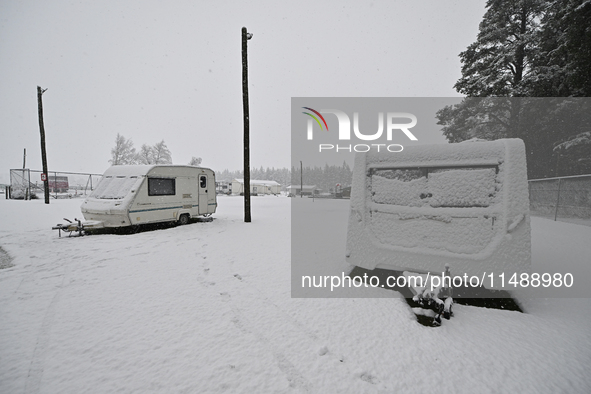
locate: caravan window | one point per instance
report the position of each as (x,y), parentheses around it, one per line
(460,187)
(161,187)
(203,181)
(399,186)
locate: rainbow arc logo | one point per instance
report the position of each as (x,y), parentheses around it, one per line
(315,118)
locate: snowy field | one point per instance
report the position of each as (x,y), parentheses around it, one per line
(207,308)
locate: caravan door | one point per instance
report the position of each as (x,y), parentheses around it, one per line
(203,188)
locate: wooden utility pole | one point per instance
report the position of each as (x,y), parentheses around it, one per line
(245,37)
(24,158)
(43,152)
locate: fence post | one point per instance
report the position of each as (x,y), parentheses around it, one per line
(557,200)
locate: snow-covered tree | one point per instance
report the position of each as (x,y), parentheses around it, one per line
(541,123)
(146,155)
(500,59)
(527,49)
(563,65)
(530,48)
(477,117)
(195,161)
(574,155)
(123,153)
(161,153)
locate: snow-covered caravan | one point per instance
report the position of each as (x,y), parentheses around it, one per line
(464,204)
(139,194)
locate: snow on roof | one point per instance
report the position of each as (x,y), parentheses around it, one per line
(257,182)
(138,169)
(474,152)
(132,170)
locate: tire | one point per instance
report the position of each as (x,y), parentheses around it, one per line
(184,219)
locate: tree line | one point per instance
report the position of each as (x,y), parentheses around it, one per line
(528,76)
(324,178)
(279,175)
(124,153)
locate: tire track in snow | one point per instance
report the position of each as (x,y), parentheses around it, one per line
(307,345)
(264,298)
(5,259)
(292,374)
(35,374)
(299,353)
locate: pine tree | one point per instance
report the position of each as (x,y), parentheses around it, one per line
(563,65)
(526,49)
(574,155)
(500,59)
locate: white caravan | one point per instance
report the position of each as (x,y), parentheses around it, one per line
(464,204)
(139,194)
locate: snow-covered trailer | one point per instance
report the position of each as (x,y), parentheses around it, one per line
(463,204)
(139,194)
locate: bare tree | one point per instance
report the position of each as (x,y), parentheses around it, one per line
(146,155)
(123,153)
(195,161)
(161,153)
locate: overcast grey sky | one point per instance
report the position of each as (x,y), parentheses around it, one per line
(171,70)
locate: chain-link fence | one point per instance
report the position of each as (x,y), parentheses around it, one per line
(21,187)
(565,198)
(27,184)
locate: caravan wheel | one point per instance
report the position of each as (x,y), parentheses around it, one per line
(184,219)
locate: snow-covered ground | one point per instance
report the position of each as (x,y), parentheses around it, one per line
(207,307)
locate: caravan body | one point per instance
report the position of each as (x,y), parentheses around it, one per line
(139,194)
(464,204)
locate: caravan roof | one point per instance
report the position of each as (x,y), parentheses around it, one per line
(141,169)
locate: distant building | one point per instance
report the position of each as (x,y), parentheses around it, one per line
(223,187)
(58,184)
(308,190)
(256,187)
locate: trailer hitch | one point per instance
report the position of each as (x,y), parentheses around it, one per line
(70,227)
(438,299)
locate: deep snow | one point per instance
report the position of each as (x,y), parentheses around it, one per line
(207,307)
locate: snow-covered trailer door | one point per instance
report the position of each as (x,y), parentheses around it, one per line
(465,205)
